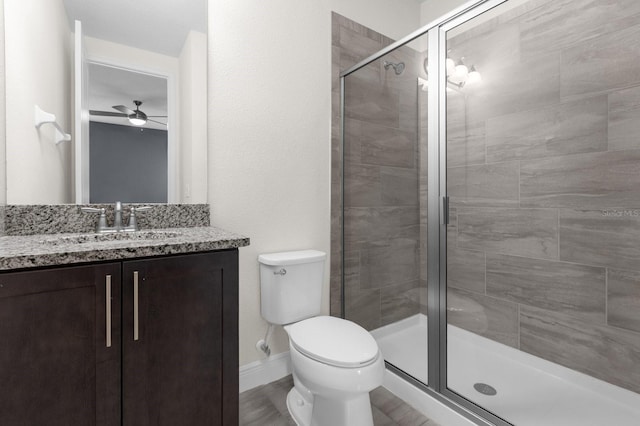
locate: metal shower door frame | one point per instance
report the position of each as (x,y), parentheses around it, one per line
(436,206)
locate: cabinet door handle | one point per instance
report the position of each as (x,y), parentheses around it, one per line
(136,324)
(108,310)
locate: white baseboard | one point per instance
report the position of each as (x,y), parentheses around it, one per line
(264,371)
(422,402)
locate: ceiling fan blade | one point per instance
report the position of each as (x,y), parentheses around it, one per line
(124,109)
(164,124)
(107,113)
(157,116)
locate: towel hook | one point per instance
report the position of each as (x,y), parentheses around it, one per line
(42,117)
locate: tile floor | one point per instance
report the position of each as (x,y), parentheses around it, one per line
(266,406)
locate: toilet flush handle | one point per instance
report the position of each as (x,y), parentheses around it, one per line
(282,271)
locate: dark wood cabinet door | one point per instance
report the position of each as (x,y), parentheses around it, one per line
(55,366)
(173,340)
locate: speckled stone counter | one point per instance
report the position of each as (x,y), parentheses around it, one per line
(28,251)
(32,219)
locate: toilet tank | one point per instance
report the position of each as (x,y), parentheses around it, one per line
(291,285)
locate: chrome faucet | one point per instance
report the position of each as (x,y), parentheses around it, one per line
(117,220)
(118,224)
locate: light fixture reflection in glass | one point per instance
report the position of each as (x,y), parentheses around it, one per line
(473,76)
(423,83)
(458,75)
(451,66)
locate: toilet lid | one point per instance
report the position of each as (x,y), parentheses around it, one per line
(333,341)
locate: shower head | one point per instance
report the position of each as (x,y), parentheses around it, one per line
(398,68)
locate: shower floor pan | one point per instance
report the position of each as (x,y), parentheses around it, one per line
(529,391)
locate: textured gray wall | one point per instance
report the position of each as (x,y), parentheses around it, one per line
(544,179)
(127,164)
(382,229)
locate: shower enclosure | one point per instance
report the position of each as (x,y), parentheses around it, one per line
(486,206)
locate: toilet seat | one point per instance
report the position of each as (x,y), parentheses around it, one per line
(333,341)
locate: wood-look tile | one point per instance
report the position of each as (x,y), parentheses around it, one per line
(365,224)
(502,90)
(368,100)
(524,232)
(601,238)
(399,301)
(342,22)
(352,145)
(352,269)
(362,186)
(607,353)
(465,143)
(388,263)
(567,128)
(604,180)
(466,269)
(484,185)
(496,45)
(624,119)
(452,228)
(270,401)
(492,318)
(381,419)
(587,66)
(362,307)
(558,21)
(558,286)
(399,186)
(408,108)
(387,146)
(256,409)
(357,45)
(623,299)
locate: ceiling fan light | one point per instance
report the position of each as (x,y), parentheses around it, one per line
(137,119)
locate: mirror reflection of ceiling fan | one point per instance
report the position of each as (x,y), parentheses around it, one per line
(137,117)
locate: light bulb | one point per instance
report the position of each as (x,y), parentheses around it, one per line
(137,121)
(461,72)
(473,76)
(138,118)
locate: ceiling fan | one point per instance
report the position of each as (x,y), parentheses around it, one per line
(137,117)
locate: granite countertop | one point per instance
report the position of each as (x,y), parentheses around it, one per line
(28,251)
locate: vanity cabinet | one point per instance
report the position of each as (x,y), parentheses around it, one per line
(161,350)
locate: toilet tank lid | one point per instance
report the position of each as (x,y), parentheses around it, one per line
(292,257)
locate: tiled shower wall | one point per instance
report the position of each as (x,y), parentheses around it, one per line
(544,177)
(382,230)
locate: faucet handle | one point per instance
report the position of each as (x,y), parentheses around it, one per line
(141,208)
(101,225)
(133,222)
(92,209)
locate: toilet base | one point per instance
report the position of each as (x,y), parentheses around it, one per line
(354,412)
(299,409)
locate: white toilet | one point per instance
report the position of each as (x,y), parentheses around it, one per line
(335,362)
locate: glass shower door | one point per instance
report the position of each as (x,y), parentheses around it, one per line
(543,180)
(384,199)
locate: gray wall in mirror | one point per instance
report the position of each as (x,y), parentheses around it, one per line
(128,164)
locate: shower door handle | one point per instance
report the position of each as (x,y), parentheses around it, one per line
(445,210)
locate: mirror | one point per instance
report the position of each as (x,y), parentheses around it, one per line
(150,51)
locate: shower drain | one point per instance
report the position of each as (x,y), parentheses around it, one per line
(485,389)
